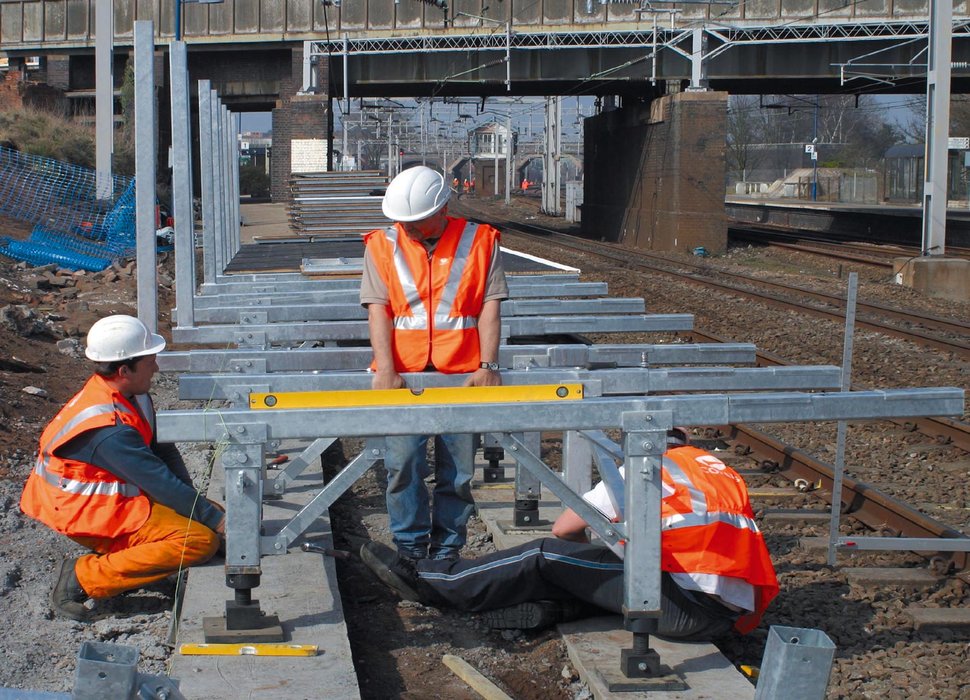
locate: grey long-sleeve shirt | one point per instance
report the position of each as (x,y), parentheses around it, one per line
(158,471)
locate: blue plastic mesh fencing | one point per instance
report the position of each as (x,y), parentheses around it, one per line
(73,228)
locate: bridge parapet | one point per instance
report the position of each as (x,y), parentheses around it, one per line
(27,25)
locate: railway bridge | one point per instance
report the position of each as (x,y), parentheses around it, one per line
(670,64)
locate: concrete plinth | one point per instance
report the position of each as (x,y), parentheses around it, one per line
(935,276)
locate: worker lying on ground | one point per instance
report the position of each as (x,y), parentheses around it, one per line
(717,574)
(103,480)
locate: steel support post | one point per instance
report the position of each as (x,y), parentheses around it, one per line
(207,177)
(227,243)
(493,454)
(219,163)
(528,488)
(146,149)
(836,512)
(182,186)
(577,462)
(698,60)
(551,156)
(243,463)
(234,183)
(645,439)
(104,107)
(938,71)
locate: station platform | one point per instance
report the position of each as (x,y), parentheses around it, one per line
(896,223)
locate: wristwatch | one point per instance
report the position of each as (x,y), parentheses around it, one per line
(489,365)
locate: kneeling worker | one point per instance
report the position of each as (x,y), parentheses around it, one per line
(717,574)
(102,479)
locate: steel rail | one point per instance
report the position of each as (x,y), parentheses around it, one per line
(653,263)
(952,431)
(866,504)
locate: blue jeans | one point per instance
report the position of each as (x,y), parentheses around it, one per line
(429,527)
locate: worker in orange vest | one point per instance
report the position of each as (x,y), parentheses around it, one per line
(716,571)
(432,285)
(525,184)
(102,479)
(467,185)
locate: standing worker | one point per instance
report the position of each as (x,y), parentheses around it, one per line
(432,286)
(103,480)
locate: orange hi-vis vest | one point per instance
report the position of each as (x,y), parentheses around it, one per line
(708,527)
(80,499)
(435,301)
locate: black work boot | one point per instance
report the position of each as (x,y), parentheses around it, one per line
(535,614)
(397,572)
(68,597)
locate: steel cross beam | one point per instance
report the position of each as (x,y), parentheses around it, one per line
(261,333)
(601,382)
(249,361)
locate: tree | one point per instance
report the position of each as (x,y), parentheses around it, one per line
(746,130)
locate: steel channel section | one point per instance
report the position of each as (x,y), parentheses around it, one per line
(904,544)
(296,283)
(296,466)
(226,184)
(243,462)
(330,310)
(577,461)
(358,330)
(528,485)
(349,292)
(519,451)
(215,425)
(145,153)
(318,505)
(645,441)
(206,177)
(218,178)
(182,186)
(601,382)
(247,361)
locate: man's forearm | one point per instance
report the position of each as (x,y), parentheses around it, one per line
(490,330)
(379,325)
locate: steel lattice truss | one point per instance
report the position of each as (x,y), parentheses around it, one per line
(518,40)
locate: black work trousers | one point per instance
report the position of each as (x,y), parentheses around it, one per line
(554,569)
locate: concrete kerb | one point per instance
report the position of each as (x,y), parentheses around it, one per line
(301,588)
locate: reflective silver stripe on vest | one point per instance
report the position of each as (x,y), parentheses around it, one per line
(442,314)
(83,488)
(418,320)
(86,414)
(699,514)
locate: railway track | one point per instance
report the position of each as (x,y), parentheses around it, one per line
(951,335)
(859,500)
(872,252)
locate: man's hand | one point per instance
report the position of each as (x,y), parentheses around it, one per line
(387,380)
(484,377)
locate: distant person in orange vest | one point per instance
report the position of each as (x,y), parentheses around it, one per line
(473,184)
(455,184)
(716,571)
(467,185)
(433,287)
(525,184)
(102,479)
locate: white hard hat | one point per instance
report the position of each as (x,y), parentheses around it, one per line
(415,194)
(121,337)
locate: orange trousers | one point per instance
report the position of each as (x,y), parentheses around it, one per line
(166,543)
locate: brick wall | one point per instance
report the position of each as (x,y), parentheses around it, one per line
(15,93)
(297,117)
(654,174)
